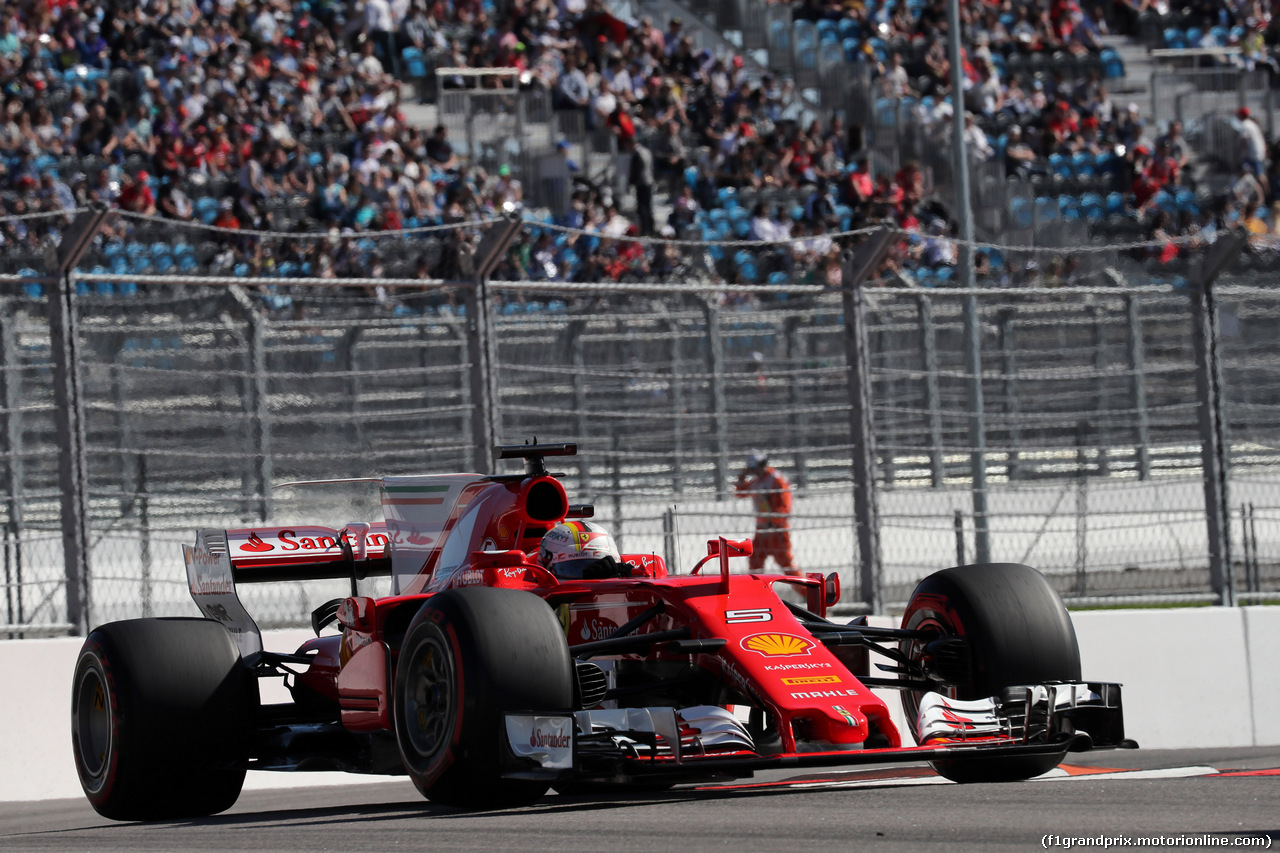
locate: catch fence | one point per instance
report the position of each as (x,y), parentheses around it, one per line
(1098,417)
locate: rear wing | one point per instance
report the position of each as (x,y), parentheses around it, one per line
(300,553)
(221,559)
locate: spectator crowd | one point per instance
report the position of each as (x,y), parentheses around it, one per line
(265,115)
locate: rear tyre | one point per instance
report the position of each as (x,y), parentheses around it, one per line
(162,711)
(1017,632)
(469,657)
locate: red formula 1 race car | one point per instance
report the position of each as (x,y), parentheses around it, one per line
(489,678)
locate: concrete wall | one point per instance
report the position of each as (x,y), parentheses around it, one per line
(1192,677)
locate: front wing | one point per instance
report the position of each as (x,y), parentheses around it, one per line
(683,745)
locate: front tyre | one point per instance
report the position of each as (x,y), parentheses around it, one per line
(470,656)
(162,712)
(1016,630)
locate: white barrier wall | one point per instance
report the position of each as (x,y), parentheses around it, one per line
(1197,677)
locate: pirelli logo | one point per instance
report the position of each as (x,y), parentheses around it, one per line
(813,679)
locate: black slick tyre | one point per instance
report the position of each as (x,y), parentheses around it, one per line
(1016,630)
(162,712)
(469,657)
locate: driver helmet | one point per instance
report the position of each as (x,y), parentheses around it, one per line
(570,548)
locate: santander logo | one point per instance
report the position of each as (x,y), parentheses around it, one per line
(550,740)
(256,545)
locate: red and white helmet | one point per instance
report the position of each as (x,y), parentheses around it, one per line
(571,546)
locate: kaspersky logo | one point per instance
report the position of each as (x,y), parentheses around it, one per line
(777,645)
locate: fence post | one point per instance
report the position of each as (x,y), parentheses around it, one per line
(1137,368)
(577,355)
(1098,338)
(1012,408)
(1082,507)
(64,342)
(350,363)
(124,431)
(459,333)
(959,525)
(669,538)
(480,353)
(857,265)
(795,419)
(482,342)
(1213,450)
(144,530)
(932,398)
(258,496)
(13,471)
(616,484)
(69,423)
(719,417)
(677,406)
(881,340)
(977,429)
(256,476)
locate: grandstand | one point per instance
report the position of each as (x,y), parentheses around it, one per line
(804,119)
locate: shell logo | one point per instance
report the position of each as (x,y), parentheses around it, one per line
(777,645)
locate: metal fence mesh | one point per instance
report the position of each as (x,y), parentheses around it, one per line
(198,395)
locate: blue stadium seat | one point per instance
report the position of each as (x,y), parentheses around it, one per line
(849,28)
(1091,205)
(207,209)
(1114,204)
(1112,64)
(1020,213)
(1083,164)
(1046,210)
(780,36)
(1069,207)
(414,65)
(850,47)
(886,112)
